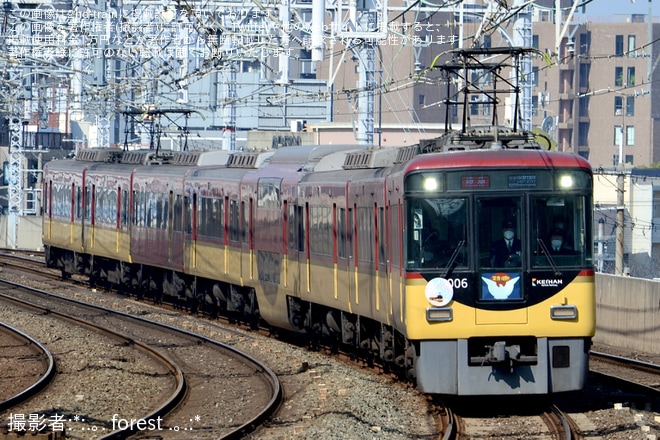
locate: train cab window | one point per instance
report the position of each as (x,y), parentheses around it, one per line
(437,233)
(560,231)
(499,231)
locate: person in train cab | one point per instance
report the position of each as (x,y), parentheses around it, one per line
(506,251)
(558,245)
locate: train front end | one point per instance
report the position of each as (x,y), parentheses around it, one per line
(499,272)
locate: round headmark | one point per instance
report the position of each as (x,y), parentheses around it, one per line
(439,292)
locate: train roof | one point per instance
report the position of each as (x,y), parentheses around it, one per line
(318,158)
(65,165)
(309,154)
(513,158)
(154,157)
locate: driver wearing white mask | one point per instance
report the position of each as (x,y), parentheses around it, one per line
(506,251)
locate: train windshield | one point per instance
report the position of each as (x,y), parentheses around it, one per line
(552,231)
(560,234)
(499,234)
(438,236)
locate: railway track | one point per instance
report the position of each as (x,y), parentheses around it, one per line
(466,419)
(198,391)
(545,424)
(633,379)
(36,362)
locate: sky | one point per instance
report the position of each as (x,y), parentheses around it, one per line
(610,7)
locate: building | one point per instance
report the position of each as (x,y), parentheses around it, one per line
(641,224)
(600,101)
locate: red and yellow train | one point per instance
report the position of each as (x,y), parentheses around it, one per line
(386,252)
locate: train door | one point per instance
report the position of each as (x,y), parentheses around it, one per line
(124,216)
(341,253)
(232,257)
(296,275)
(247,240)
(175,229)
(87,221)
(351,260)
(190,230)
(501,240)
(47,214)
(382,287)
(78,194)
(384,262)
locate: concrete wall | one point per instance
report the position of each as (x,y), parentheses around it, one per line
(628,312)
(28,233)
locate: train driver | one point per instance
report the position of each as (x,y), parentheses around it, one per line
(506,251)
(558,245)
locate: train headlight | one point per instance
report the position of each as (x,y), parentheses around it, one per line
(430,184)
(566,182)
(563,312)
(443,314)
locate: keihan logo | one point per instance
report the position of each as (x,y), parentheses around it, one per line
(536,282)
(502,286)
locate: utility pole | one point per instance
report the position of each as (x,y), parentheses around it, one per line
(620,207)
(364,24)
(601,233)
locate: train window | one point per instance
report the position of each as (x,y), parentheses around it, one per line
(246,213)
(365,234)
(138,209)
(105,206)
(234,221)
(499,232)
(350,232)
(211,217)
(157,207)
(124,202)
(189,206)
(296,228)
(149,209)
(46,200)
(394,241)
(381,235)
(268,193)
(164,211)
(341,232)
(437,233)
(320,218)
(88,203)
(61,195)
(177,214)
(79,202)
(560,231)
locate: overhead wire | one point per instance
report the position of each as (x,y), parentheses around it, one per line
(388,85)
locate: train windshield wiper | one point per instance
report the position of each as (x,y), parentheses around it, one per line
(546,252)
(452,261)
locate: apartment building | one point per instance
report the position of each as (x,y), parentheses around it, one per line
(600,101)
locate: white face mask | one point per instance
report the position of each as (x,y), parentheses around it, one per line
(508,235)
(556,243)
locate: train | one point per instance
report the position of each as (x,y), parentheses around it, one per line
(387,253)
